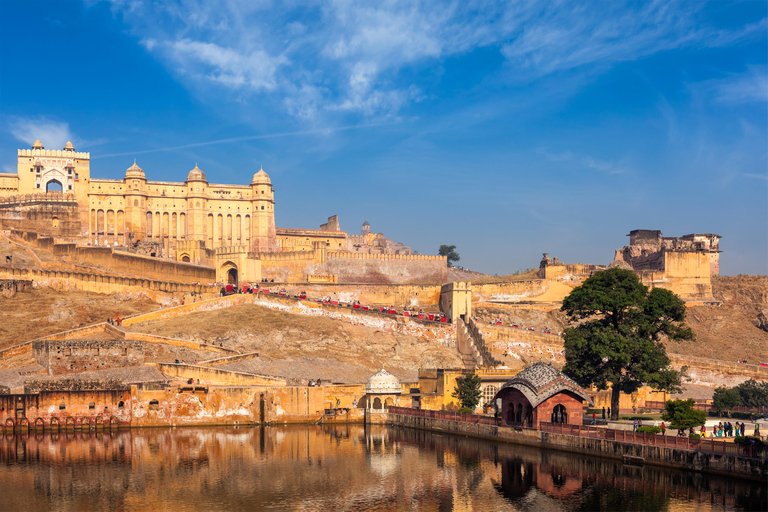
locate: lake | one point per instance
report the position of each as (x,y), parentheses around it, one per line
(346,467)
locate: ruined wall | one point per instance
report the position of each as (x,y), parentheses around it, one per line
(387,268)
(10,287)
(73,356)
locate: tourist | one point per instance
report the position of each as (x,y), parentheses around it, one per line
(594,418)
(634,425)
(756,433)
(609,412)
(354,403)
(703,431)
(603,413)
(663,429)
(743,426)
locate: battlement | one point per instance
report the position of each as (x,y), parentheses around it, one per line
(44,197)
(362,256)
(55,153)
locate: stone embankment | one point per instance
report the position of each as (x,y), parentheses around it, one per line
(628,452)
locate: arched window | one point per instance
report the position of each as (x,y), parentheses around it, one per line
(154,405)
(120,404)
(559,414)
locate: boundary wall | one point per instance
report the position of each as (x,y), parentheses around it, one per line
(656,455)
(219,377)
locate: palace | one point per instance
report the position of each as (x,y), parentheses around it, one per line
(191,221)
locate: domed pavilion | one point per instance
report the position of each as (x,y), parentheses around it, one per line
(382,390)
(541,393)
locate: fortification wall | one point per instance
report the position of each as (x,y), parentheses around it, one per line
(103,284)
(534,290)
(49,214)
(72,356)
(386,268)
(218,377)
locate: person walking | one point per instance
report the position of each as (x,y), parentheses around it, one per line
(603,412)
(634,426)
(594,418)
(663,429)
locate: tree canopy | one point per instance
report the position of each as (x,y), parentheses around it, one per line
(467,390)
(450,252)
(616,333)
(748,394)
(681,415)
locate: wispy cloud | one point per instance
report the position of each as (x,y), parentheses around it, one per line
(745,88)
(603,166)
(343,56)
(53,134)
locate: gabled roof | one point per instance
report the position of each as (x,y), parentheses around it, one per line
(541,381)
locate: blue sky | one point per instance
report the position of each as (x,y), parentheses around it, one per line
(507,129)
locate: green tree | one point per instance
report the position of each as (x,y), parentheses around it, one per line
(753,393)
(467,390)
(726,398)
(681,415)
(617,325)
(450,252)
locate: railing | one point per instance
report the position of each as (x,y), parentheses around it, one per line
(475,419)
(683,443)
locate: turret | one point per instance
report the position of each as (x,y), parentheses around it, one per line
(263,219)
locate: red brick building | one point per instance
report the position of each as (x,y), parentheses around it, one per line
(541,393)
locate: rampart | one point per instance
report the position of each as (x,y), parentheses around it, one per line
(121,262)
(537,291)
(100,283)
(217,376)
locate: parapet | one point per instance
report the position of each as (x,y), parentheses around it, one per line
(412,257)
(55,152)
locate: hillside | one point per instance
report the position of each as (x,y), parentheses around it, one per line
(303,347)
(728,332)
(40,312)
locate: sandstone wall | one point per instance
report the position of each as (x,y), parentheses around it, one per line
(529,291)
(50,214)
(387,268)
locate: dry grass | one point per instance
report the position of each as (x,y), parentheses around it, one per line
(40,312)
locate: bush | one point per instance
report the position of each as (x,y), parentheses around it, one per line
(649,430)
(694,437)
(741,415)
(638,418)
(749,440)
(466,410)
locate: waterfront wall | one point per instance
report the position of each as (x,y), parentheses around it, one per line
(656,455)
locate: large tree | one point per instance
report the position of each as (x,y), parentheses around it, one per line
(450,252)
(681,415)
(615,338)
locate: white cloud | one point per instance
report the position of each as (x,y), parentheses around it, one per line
(53,134)
(343,55)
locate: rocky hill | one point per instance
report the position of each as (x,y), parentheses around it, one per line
(301,347)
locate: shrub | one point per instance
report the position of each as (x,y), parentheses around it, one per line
(466,410)
(649,430)
(694,437)
(741,415)
(749,440)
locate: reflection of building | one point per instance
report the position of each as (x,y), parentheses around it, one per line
(541,393)
(383,389)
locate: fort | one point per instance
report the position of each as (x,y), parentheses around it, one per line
(247,318)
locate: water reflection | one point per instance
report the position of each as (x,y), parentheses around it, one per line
(335,468)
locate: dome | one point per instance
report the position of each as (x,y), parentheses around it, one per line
(541,381)
(383,382)
(261,178)
(196,174)
(366,224)
(68,146)
(37,145)
(135,171)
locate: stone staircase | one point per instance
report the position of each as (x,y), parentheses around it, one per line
(472,348)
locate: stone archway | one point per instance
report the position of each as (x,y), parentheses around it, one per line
(232,277)
(185,258)
(377,403)
(54,186)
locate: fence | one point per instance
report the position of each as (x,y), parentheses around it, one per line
(474,419)
(683,443)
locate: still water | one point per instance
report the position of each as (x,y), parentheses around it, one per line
(335,468)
